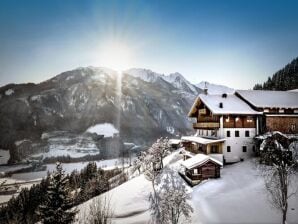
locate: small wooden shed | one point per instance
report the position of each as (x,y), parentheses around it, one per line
(201,167)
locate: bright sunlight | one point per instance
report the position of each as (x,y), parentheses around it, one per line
(115,55)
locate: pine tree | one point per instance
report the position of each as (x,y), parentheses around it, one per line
(284,79)
(56,209)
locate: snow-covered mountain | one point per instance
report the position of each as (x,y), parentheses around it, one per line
(76,100)
(175,79)
(215,88)
(151,105)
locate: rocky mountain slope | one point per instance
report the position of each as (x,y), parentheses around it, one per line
(150,105)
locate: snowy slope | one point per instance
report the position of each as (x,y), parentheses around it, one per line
(237,197)
(215,88)
(144,74)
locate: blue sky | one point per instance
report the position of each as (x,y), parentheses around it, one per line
(235,43)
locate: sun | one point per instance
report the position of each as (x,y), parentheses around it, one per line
(115,55)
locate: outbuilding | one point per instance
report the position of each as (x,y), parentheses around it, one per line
(201,167)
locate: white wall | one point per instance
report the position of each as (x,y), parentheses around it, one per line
(236,144)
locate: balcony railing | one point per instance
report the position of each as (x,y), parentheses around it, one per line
(208,119)
(206,125)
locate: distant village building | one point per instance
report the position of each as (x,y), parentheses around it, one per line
(227,124)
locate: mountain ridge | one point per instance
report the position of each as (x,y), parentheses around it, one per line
(77,99)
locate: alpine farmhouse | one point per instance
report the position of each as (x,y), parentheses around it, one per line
(227,124)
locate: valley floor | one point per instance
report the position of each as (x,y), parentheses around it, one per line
(237,197)
(27,179)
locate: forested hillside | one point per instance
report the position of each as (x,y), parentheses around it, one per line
(284,79)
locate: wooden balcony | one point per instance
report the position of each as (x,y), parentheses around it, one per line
(207,125)
(208,119)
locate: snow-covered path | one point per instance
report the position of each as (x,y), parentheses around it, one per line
(237,197)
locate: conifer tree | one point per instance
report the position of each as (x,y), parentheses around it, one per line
(56,208)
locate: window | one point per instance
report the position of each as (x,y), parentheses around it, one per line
(228,148)
(244,148)
(293,127)
(228,134)
(249,119)
(246,133)
(195,171)
(236,133)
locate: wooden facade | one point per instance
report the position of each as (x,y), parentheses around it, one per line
(204,171)
(206,120)
(239,121)
(276,118)
(197,148)
(283,124)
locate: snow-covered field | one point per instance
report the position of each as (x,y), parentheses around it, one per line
(237,197)
(68,167)
(67,144)
(72,151)
(106,129)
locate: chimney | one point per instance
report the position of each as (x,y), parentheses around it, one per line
(205,89)
(220,105)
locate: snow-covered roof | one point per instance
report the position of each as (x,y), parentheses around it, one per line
(231,104)
(201,140)
(197,160)
(270,134)
(270,99)
(174,141)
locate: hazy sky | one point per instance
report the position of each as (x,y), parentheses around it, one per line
(235,43)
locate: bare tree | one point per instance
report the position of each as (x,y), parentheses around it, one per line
(101,211)
(159,150)
(170,204)
(279,177)
(152,174)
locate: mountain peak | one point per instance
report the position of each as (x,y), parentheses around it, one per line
(215,88)
(175,79)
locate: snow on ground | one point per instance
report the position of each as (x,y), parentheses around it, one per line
(68,167)
(72,151)
(4,156)
(106,129)
(9,92)
(66,144)
(130,200)
(14,168)
(237,197)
